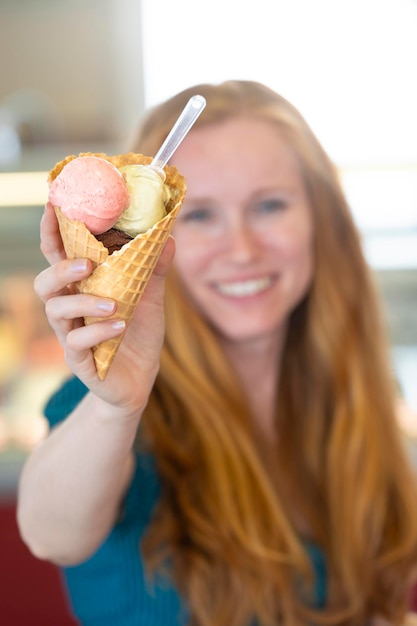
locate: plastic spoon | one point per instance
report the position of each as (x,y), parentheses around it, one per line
(187,118)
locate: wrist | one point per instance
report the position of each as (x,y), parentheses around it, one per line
(106,412)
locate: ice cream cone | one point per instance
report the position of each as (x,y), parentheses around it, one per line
(124,274)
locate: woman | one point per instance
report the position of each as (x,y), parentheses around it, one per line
(244,466)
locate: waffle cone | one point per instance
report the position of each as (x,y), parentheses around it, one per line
(123,275)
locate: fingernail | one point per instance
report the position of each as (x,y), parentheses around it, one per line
(106,305)
(79,265)
(118,324)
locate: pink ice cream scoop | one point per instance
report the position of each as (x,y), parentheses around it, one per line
(91,190)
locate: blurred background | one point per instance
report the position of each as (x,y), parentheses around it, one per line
(76,76)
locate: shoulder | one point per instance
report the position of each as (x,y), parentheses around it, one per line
(113,586)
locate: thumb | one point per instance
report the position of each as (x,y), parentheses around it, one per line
(166,258)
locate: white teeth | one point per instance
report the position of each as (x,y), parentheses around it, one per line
(244,288)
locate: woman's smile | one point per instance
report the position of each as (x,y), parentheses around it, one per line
(244,288)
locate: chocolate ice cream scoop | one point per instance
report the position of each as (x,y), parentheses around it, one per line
(113,239)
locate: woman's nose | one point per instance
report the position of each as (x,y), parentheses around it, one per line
(242,242)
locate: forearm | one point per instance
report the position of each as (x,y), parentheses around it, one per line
(72,485)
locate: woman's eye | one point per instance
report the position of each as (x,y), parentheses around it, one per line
(197,215)
(271,205)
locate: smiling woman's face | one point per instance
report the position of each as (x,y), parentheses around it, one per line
(244,235)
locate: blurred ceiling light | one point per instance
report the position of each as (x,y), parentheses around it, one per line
(23,189)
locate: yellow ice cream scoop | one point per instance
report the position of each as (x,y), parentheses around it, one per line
(148,199)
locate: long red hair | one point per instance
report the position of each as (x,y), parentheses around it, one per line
(233,525)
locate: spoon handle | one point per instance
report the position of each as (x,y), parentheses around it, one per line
(189,115)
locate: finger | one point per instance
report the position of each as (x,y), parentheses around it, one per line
(86,337)
(51,242)
(80,341)
(72,307)
(166,258)
(54,280)
(154,291)
(66,316)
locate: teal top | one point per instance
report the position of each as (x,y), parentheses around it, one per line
(111,588)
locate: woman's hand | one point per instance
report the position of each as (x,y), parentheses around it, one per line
(133,370)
